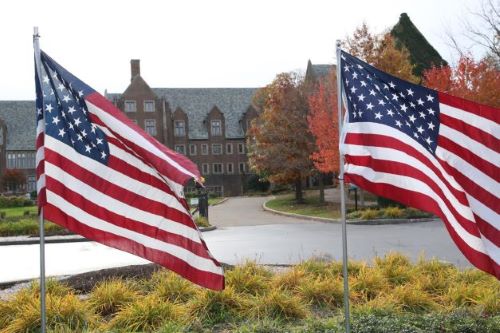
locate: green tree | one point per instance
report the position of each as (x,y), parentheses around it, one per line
(279,140)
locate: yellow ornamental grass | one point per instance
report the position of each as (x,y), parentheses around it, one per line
(395,267)
(246,279)
(412,298)
(110,296)
(170,287)
(289,280)
(322,292)
(368,284)
(280,305)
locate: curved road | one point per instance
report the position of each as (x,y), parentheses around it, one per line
(245,231)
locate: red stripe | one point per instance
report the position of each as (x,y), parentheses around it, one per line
(423,202)
(402,169)
(122,221)
(202,278)
(472,188)
(114,191)
(481,110)
(160,164)
(473,132)
(489,231)
(479,163)
(376,140)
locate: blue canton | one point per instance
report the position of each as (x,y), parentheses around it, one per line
(61,102)
(375,96)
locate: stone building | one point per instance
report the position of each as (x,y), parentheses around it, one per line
(208,125)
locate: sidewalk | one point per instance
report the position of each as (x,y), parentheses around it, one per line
(28,240)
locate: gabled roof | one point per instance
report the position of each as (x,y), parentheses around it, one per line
(198,102)
(19,117)
(315,72)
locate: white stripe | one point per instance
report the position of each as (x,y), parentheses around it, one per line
(133,160)
(131,135)
(40,127)
(492,249)
(113,176)
(468,143)
(486,182)
(40,183)
(484,211)
(152,243)
(415,185)
(394,155)
(381,129)
(118,207)
(469,118)
(40,155)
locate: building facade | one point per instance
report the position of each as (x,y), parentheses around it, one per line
(208,125)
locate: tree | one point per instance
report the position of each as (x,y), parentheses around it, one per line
(475,81)
(323,124)
(381,52)
(279,140)
(13,180)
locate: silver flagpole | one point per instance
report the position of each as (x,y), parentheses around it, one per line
(342,196)
(36,46)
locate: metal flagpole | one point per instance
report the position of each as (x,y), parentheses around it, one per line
(36,46)
(342,195)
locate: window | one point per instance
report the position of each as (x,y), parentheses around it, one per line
(149,106)
(180,149)
(179,128)
(21,160)
(204,149)
(230,168)
(130,106)
(192,149)
(216,149)
(150,126)
(242,167)
(229,148)
(204,169)
(217,168)
(31,183)
(241,148)
(216,128)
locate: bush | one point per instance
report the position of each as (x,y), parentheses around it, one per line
(170,287)
(7,202)
(110,296)
(393,212)
(256,184)
(279,305)
(248,279)
(369,214)
(217,307)
(201,221)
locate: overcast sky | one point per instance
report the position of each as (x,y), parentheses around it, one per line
(205,43)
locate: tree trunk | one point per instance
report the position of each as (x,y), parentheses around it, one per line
(298,191)
(321,189)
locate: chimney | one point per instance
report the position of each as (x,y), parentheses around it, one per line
(135,68)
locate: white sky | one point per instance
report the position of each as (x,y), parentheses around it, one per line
(205,43)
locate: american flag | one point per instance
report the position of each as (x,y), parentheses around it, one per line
(101,176)
(428,150)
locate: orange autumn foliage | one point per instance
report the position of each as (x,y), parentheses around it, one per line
(476,81)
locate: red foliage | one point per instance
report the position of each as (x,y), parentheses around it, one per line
(475,81)
(323,124)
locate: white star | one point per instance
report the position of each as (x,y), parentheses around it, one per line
(412,104)
(62,132)
(103,155)
(420,129)
(48,108)
(390,112)
(353,89)
(347,82)
(79,136)
(80,93)
(45,79)
(377,87)
(66,98)
(404,107)
(363,83)
(422,115)
(398,123)
(407,123)
(415,135)
(70,125)
(378,115)
(369,106)
(360,113)
(428,140)
(72,142)
(410,92)
(346,68)
(431,125)
(431,111)
(77,121)
(60,86)
(354,75)
(401,94)
(361,97)
(359,66)
(55,120)
(412,118)
(39,111)
(354,115)
(99,141)
(395,97)
(342,57)
(84,133)
(87,148)
(392,85)
(71,110)
(372,92)
(386,86)
(430,98)
(420,101)
(381,102)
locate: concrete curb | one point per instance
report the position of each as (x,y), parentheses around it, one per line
(354,222)
(220,202)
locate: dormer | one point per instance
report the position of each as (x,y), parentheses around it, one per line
(216,123)
(247,117)
(180,124)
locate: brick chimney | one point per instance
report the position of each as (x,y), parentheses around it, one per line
(135,68)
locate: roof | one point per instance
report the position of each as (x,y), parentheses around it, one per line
(322,70)
(198,102)
(19,117)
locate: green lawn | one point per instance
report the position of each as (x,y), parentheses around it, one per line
(19,211)
(310,207)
